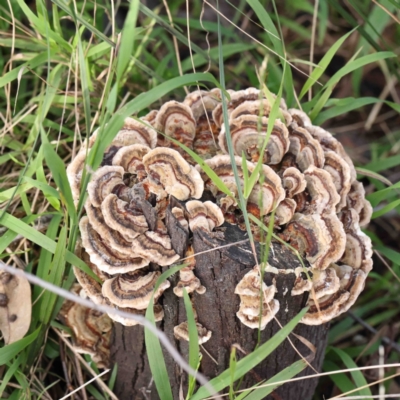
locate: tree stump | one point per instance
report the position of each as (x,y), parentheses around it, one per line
(219,271)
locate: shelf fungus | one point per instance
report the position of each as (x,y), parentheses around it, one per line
(91,330)
(253,293)
(304,180)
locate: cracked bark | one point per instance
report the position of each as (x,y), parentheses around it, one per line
(219,271)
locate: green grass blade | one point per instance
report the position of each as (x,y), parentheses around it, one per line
(251,360)
(342,106)
(153,346)
(385,209)
(54,275)
(36,61)
(58,170)
(349,67)
(376,197)
(342,381)
(7,353)
(285,375)
(358,377)
(127,38)
(323,64)
(194,349)
(84,75)
(242,200)
(43,241)
(384,163)
(10,371)
(43,27)
(45,259)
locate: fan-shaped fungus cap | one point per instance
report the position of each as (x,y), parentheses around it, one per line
(103,256)
(325,283)
(330,306)
(135,132)
(15,315)
(130,158)
(313,235)
(91,330)
(114,238)
(358,245)
(181,332)
(155,246)
(320,186)
(293,181)
(168,167)
(176,121)
(90,286)
(300,118)
(249,289)
(305,148)
(134,289)
(119,215)
(74,174)
(284,212)
(264,197)
(329,143)
(237,98)
(187,279)
(103,182)
(158,315)
(341,177)
(248,134)
(201,102)
(180,216)
(260,108)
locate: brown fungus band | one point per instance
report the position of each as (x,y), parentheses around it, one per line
(306,180)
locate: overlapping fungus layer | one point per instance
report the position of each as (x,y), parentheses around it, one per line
(305,179)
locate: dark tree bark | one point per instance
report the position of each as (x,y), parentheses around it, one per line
(220,271)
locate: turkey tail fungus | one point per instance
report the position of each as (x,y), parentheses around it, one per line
(150,205)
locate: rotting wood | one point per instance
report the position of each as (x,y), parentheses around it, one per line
(219,271)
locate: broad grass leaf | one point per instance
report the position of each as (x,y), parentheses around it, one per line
(391,254)
(351,66)
(358,377)
(58,171)
(343,106)
(251,360)
(54,275)
(385,209)
(323,64)
(384,163)
(43,27)
(153,346)
(84,83)
(194,349)
(43,241)
(83,21)
(42,270)
(127,38)
(342,381)
(7,353)
(285,375)
(10,371)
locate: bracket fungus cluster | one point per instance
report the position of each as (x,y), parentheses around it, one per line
(306,183)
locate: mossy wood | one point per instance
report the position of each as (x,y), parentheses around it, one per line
(220,270)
